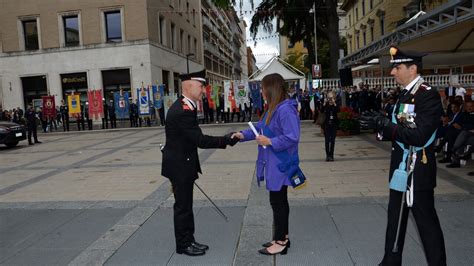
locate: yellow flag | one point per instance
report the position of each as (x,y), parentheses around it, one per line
(74,104)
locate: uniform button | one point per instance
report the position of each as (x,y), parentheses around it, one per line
(393,149)
(187,159)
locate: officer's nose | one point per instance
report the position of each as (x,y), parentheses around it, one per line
(393,71)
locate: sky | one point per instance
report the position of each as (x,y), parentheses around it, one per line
(263,47)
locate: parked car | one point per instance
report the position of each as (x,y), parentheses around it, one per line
(11,133)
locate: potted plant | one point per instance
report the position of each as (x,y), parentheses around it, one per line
(348,123)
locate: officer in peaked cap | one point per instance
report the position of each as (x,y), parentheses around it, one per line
(180,158)
(412,129)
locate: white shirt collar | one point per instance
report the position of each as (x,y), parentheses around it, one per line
(412,83)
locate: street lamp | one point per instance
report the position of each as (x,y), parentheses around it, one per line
(313,10)
(187,61)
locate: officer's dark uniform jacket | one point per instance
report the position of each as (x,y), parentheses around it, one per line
(183,137)
(428,109)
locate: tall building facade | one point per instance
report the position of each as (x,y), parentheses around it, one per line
(54,47)
(223,37)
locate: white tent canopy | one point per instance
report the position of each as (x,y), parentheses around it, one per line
(277,65)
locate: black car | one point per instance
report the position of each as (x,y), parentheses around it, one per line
(11,133)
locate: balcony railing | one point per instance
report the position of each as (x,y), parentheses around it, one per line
(440,81)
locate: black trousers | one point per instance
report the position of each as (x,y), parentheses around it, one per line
(183,213)
(427,223)
(330,139)
(32,131)
(281,213)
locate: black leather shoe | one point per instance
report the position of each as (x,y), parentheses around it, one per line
(453,165)
(190,251)
(445,160)
(38,141)
(199,246)
(31,143)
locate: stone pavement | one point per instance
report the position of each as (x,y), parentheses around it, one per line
(97,197)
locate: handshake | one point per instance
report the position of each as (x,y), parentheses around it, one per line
(232,138)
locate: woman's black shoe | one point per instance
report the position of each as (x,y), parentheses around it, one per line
(269,244)
(264,251)
(199,246)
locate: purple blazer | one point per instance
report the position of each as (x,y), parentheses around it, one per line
(285,125)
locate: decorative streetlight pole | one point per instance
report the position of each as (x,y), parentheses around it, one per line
(187,61)
(315,35)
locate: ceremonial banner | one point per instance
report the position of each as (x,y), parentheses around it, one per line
(121,103)
(158,93)
(143,95)
(49,108)
(256,96)
(210,100)
(168,100)
(227,90)
(96,107)
(74,104)
(241,92)
(215,95)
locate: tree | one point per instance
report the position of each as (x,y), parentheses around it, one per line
(296,23)
(297,60)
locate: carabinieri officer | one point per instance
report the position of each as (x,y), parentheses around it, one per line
(180,158)
(412,129)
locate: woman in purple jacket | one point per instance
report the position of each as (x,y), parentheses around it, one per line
(279,132)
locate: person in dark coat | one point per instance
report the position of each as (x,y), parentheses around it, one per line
(31,118)
(181,162)
(330,109)
(64,109)
(105,118)
(112,115)
(412,125)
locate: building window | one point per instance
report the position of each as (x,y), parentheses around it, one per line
(194,17)
(357,14)
(173,36)
(195,46)
(363,7)
(181,40)
(350,21)
(364,37)
(371,33)
(162,28)
(113,26)
(357,42)
(371,4)
(189,43)
(71,30)
(187,10)
(30,30)
(382,26)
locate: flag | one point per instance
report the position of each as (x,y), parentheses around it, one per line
(227,89)
(241,92)
(310,84)
(96,109)
(210,100)
(49,107)
(158,93)
(121,104)
(256,96)
(74,104)
(143,95)
(215,95)
(168,100)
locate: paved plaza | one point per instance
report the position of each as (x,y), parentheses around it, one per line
(97,197)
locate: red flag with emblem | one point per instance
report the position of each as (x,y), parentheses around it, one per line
(95,103)
(49,107)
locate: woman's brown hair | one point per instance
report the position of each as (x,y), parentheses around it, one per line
(274,89)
